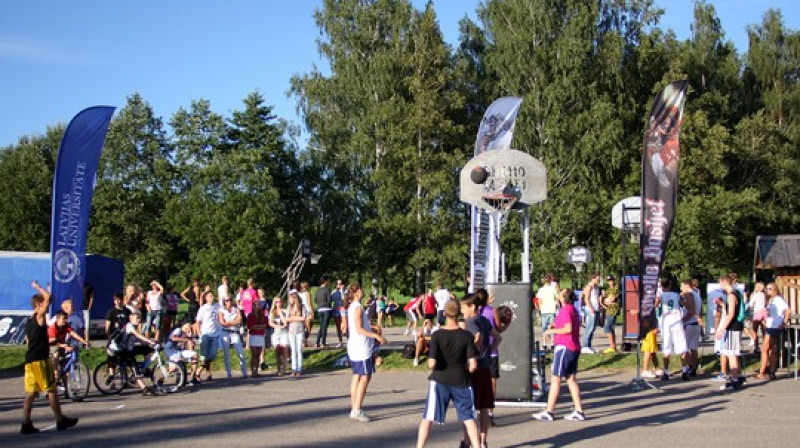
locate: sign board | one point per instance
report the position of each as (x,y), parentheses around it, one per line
(579,255)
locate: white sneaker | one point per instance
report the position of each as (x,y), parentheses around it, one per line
(587,350)
(648,374)
(752,343)
(406,333)
(576,416)
(360,416)
(545,415)
(416,362)
(659,372)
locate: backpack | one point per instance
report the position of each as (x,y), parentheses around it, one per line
(429,305)
(741,310)
(409,350)
(116,342)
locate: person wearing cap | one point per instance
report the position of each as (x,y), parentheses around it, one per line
(452,358)
(611,306)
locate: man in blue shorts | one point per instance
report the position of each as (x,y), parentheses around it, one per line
(452,358)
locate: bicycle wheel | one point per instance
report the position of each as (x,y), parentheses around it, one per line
(78,382)
(166,381)
(109,378)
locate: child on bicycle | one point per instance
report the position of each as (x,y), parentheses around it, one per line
(130,350)
(57,335)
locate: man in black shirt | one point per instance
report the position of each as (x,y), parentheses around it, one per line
(38,369)
(452,357)
(117,316)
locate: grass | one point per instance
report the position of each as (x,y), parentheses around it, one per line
(12,359)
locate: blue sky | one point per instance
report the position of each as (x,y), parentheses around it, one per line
(58,57)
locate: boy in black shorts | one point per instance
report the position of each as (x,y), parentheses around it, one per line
(38,369)
(452,359)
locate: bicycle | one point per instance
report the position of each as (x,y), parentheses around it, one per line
(114,374)
(73,376)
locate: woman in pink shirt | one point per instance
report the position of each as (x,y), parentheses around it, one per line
(566,351)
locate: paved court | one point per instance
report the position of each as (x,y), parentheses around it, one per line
(313,411)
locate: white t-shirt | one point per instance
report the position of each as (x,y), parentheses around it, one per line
(757,301)
(547,299)
(594,298)
(208,317)
(441,296)
(359,347)
(222,292)
(230,316)
(671,313)
(154,300)
(305,301)
(777,306)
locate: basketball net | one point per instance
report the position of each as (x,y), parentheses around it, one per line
(502,203)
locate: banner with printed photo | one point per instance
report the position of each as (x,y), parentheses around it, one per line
(73,187)
(659,194)
(496,131)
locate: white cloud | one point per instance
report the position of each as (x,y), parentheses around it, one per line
(15,49)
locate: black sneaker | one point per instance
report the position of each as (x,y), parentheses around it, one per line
(693,371)
(738,384)
(28,428)
(665,376)
(66,422)
(685,375)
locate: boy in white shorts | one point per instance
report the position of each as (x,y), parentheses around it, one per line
(673,339)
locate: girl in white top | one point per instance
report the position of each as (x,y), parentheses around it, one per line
(308,308)
(360,340)
(777,315)
(296,318)
(231,320)
(280,337)
(758,306)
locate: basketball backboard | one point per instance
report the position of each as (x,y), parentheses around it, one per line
(627,214)
(503,173)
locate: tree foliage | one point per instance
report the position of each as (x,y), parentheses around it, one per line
(392,118)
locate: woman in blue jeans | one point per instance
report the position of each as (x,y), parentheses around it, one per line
(591,302)
(296,329)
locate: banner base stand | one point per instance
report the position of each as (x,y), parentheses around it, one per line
(520,404)
(639,384)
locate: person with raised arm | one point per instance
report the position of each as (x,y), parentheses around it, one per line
(38,368)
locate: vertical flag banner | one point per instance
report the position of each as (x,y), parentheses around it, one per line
(659,194)
(73,186)
(495,132)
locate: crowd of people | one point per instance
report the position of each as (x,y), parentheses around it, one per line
(463,354)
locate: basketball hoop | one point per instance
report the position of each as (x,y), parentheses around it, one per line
(501,202)
(314,258)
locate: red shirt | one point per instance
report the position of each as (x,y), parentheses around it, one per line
(60,334)
(252,320)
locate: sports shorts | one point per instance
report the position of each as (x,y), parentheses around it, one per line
(439,397)
(673,340)
(363,368)
(39,377)
(565,362)
(731,343)
(692,336)
(650,343)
